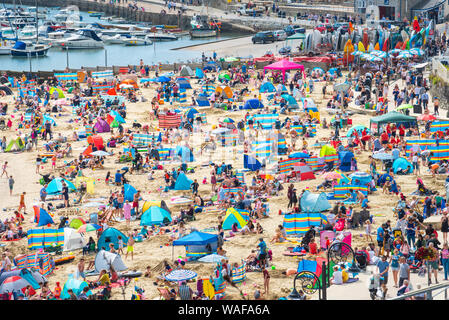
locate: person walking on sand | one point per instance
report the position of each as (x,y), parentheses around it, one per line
(11,185)
(266,280)
(5,166)
(130,247)
(22,203)
(127,212)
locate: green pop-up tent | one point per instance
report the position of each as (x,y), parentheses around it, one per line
(392,117)
(15,145)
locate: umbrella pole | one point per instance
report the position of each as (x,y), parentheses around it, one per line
(172,252)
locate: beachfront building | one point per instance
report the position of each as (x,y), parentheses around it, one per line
(398,10)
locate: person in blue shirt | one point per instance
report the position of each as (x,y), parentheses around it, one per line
(380,236)
(262,252)
(118,178)
(383,267)
(365,203)
(43,193)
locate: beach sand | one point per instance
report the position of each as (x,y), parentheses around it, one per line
(153,251)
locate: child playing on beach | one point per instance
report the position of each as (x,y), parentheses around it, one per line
(130,247)
(106,180)
(368,230)
(120,245)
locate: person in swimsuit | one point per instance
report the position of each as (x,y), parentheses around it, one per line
(444,226)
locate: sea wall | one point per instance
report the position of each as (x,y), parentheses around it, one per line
(439,84)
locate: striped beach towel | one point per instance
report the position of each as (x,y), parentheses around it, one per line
(238,275)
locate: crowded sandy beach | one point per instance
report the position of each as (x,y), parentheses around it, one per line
(251,175)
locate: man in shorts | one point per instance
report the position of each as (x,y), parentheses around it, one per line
(130,247)
(383,267)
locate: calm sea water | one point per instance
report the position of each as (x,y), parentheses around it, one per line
(118,55)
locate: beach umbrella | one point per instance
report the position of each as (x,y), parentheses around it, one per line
(88,227)
(405,54)
(357,53)
(228,120)
(162,79)
(395,51)
(382,156)
(266,176)
(180,275)
(417,51)
(332,175)
(426,117)
(100,153)
(224,76)
(404,106)
(212,258)
(380,54)
(14,283)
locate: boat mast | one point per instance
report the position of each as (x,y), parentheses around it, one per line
(37,22)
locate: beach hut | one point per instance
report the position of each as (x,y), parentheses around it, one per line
(110,235)
(283,66)
(105,259)
(241,217)
(198,244)
(182,182)
(155,216)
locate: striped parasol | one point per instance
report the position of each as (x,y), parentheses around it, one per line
(181,275)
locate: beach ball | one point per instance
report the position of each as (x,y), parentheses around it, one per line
(160,247)
(71,253)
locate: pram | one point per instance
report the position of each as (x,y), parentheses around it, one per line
(414,264)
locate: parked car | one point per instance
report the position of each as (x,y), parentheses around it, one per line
(285,50)
(324,27)
(280,35)
(343,26)
(263,37)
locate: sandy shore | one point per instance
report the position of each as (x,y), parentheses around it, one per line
(154,250)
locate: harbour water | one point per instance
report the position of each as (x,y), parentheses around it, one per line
(114,54)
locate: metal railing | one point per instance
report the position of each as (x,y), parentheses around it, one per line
(428,291)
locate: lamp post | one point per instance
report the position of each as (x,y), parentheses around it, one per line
(67,55)
(105,57)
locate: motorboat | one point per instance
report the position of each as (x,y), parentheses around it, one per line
(95,14)
(21,49)
(5,47)
(161,36)
(203,33)
(83,39)
(116,39)
(28,33)
(51,37)
(134,41)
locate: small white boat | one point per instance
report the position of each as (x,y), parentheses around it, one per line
(116,39)
(161,36)
(83,39)
(5,47)
(134,41)
(203,33)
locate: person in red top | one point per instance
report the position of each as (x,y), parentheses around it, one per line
(313,248)
(57,291)
(388,129)
(401,131)
(384,138)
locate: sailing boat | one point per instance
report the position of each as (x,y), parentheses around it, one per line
(21,49)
